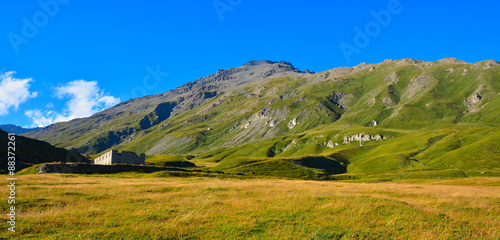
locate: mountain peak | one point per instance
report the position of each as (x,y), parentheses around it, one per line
(261,62)
(409,61)
(284,65)
(451,60)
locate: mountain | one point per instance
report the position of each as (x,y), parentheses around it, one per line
(11,128)
(270,118)
(128,120)
(29,152)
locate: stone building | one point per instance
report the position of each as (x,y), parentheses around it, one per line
(114,156)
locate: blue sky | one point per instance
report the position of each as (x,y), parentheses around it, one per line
(62,59)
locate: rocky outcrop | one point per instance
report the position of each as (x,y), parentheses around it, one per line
(451,61)
(261,125)
(341,100)
(407,61)
(102,169)
(419,85)
(490,64)
(161,113)
(331,144)
(362,137)
(474,101)
(292,123)
(108,140)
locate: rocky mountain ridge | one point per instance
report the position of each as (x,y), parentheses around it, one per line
(11,128)
(148,111)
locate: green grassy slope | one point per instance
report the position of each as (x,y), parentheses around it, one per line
(432,115)
(409,115)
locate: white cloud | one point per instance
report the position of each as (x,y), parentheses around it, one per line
(38,118)
(13,92)
(85,99)
(109,101)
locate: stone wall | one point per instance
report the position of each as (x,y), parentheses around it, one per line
(103,169)
(105,159)
(128,157)
(113,157)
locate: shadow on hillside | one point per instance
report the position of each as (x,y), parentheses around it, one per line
(330,166)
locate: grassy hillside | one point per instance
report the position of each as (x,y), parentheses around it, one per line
(391,117)
(168,161)
(409,115)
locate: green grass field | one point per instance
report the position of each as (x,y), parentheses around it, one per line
(144,206)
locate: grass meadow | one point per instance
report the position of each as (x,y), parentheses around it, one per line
(141,206)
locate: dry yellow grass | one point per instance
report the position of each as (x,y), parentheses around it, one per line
(98,207)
